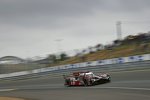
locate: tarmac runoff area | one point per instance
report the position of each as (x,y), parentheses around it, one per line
(9,98)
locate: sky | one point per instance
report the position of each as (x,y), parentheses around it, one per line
(30,28)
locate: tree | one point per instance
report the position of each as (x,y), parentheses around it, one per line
(52,58)
(63,56)
(90,48)
(117,42)
(99,47)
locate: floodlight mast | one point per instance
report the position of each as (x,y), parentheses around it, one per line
(119,31)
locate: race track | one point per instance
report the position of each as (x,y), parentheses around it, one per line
(125,85)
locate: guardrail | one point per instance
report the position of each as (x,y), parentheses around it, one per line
(122,63)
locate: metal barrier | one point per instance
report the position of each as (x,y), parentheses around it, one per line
(101,68)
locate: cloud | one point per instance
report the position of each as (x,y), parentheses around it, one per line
(56,13)
(34,25)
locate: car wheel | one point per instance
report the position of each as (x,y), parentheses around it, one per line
(109,79)
(85,82)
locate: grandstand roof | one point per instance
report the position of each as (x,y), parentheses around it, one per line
(10,60)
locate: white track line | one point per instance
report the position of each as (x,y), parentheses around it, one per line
(126,71)
(125,88)
(6,90)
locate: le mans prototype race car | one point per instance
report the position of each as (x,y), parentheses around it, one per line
(86,79)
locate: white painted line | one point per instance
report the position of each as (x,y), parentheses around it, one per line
(62,87)
(135,70)
(122,88)
(125,88)
(6,90)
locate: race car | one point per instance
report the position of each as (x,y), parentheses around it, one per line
(86,78)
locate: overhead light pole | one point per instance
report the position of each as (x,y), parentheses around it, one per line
(119,31)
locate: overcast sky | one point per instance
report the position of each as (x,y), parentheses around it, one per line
(32,27)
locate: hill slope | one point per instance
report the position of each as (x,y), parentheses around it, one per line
(120,51)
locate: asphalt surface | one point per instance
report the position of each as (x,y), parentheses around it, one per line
(125,85)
